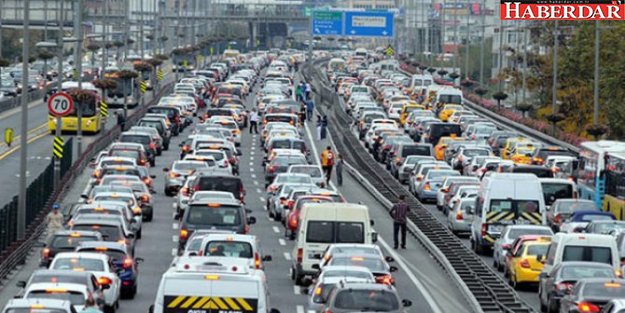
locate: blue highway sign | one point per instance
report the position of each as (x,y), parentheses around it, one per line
(327,23)
(369,24)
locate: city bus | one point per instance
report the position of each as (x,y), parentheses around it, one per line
(91,119)
(125,89)
(614,201)
(590,176)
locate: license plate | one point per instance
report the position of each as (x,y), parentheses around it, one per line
(495,228)
(522,222)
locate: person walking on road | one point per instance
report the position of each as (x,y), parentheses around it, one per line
(399,213)
(327,162)
(310,107)
(54,221)
(90,306)
(254,118)
(324,128)
(318,127)
(121,119)
(307,90)
(299,92)
(339,170)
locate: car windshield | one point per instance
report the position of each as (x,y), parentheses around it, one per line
(437,175)
(540,249)
(366,300)
(346,273)
(75,298)
(554,191)
(219,216)
(106,163)
(595,217)
(312,171)
(234,249)
(415,150)
(588,254)
(109,233)
(604,228)
(70,242)
(288,160)
(609,290)
(335,232)
(585,271)
(135,138)
(474,152)
(115,255)
(79,264)
(572,206)
(373,264)
(518,232)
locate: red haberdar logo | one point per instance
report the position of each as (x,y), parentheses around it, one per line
(564,10)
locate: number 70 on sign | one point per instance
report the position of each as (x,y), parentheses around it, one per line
(60,104)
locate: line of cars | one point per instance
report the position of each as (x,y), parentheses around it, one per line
(515,197)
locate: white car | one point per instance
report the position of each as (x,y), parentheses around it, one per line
(44,305)
(77,294)
(97,263)
(315,172)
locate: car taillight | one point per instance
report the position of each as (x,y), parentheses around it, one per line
(300,255)
(290,204)
(184,234)
(96,173)
(232,160)
(257,260)
(174,174)
(45,253)
(185,191)
(398,160)
(128,263)
(557,219)
(459,216)
(186,148)
(293,222)
(483,230)
(142,162)
(177,119)
(525,263)
(145,198)
(272,169)
(147,181)
(104,281)
(427,187)
(386,279)
(588,307)
(152,145)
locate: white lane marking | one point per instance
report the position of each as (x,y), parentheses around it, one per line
(282,242)
(287,256)
(251,158)
(174,238)
(300,309)
(253,175)
(174,252)
(251,169)
(276,229)
(297,290)
(259,191)
(252,152)
(424,291)
(175,226)
(262,199)
(251,163)
(256,183)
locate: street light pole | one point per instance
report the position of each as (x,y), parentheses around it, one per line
(595,98)
(59,122)
(523,92)
(554,86)
(467,45)
(79,70)
(21,209)
(483,14)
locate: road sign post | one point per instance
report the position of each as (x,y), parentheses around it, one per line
(60,104)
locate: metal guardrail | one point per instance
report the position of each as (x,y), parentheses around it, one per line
(14,102)
(17,251)
(487,288)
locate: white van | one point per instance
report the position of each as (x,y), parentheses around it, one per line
(557,188)
(581,247)
(449,95)
(206,285)
(420,82)
(322,224)
(505,199)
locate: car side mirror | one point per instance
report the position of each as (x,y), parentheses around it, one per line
(131,235)
(84,196)
(372,222)
(406,303)
(315,266)
(152,176)
(21,284)
(151,309)
(267,258)
(105,287)
(578,229)
(540,257)
(193,253)
(389,259)
(474,167)
(374,237)
(393,269)
(251,220)
(270,311)
(177,216)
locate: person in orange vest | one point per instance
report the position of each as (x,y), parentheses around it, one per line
(327,162)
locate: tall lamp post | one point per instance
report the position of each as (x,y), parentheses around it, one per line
(21,210)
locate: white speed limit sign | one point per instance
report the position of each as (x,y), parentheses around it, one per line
(60,104)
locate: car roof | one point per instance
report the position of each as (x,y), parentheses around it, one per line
(105,244)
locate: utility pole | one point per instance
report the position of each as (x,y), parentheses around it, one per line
(59,120)
(554,86)
(126,27)
(21,206)
(467,44)
(523,92)
(595,96)
(1,7)
(78,62)
(482,42)
(500,62)
(141,40)
(105,55)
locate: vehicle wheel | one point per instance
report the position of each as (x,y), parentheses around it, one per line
(277,217)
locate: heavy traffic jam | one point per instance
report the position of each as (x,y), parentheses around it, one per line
(548,218)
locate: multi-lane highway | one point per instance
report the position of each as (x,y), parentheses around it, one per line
(419,278)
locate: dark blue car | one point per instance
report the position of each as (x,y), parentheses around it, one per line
(590,216)
(125,264)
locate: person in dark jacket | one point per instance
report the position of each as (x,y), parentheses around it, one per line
(339,170)
(324,126)
(399,213)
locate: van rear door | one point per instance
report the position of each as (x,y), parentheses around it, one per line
(211,295)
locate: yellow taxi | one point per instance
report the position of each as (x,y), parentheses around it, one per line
(441,146)
(405,111)
(448,110)
(522,266)
(509,146)
(522,154)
